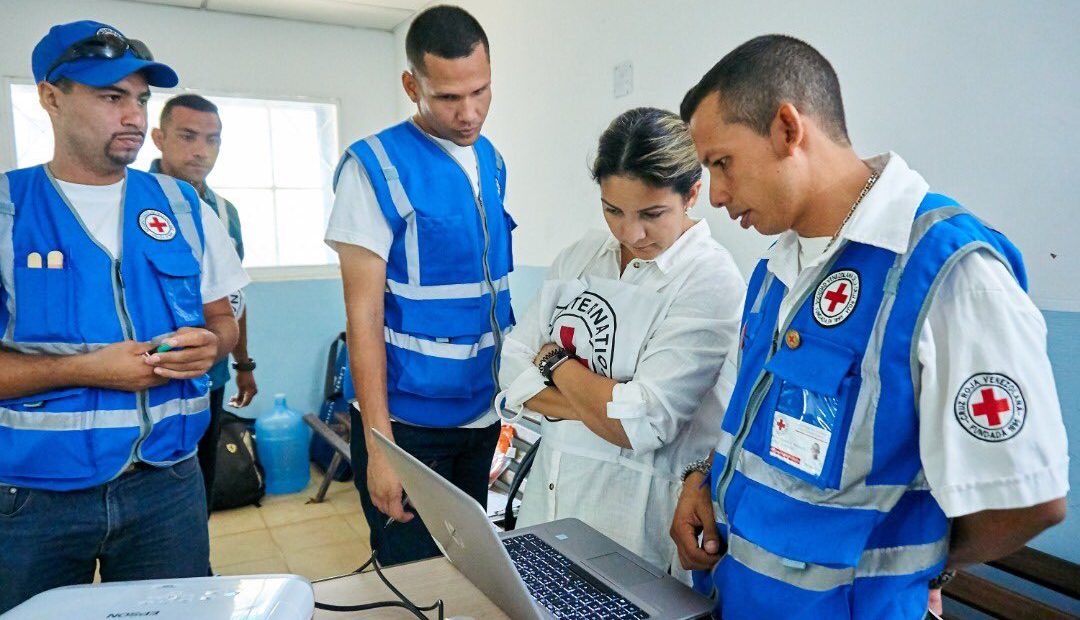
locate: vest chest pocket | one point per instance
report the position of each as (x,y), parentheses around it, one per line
(449,250)
(42,302)
(816,384)
(178,276)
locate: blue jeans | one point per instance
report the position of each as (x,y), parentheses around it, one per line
(146,524)
(461,455)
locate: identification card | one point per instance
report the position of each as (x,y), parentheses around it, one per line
(799,444)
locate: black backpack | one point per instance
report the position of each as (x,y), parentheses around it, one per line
(238,478)
(337,392)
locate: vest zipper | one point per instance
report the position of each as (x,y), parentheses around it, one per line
(757,395)
(492,314)
(129,334)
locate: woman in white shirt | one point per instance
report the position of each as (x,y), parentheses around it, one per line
(632,327)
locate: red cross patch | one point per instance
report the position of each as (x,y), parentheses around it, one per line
(157,225)
(991,407)
(835,297)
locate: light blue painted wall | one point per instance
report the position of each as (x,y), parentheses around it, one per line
(292,324)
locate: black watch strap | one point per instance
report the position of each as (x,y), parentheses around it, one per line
(246,366)
(551,361)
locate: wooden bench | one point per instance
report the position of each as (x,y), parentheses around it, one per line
(998,601)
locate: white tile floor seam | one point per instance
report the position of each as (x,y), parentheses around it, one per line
(288,534)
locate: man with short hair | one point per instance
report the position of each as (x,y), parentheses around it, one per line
(424,241)
(189,138)
(888,327)
(103,270)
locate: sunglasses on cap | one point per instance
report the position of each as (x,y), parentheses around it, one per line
(105,44)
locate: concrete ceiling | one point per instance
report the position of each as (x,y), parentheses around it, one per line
(375,14)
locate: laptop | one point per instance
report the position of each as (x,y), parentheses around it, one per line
(561,569)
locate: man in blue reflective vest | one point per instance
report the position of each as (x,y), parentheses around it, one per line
(189,138)
(424,243)
(879,429)
(102,269)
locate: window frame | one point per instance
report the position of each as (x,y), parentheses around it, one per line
(326,271)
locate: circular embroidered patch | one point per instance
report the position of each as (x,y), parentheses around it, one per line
(157,225)
(835,298)
(991,407)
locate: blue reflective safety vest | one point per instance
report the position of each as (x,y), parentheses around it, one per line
(817,481)
(80,437)
(447,299)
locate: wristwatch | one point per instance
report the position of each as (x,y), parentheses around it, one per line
(945,577)
(701,466)
(245,366)
(552,360)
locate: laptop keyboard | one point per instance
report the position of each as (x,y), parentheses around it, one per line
(564,588)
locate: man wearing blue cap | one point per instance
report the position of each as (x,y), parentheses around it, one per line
(103,270)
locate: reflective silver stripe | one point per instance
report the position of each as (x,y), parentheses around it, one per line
(445,291)
(897,561)
(859,451)
(181,208)
(766,282)
(7,253)
(806,576)
(75,421)
(430,348)
(178,406)
(858,495)
(724,444)
(402,205)
(883,562)
(920,321)
(52,348)
(88,420)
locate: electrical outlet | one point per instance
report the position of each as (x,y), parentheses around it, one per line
(624,79)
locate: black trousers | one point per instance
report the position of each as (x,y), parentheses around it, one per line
(208,444)
(461,455)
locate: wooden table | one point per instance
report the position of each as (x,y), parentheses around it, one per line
(423,582)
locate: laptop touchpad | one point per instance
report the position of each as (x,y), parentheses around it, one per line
(621,569)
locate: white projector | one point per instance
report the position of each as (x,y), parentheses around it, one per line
(252,597)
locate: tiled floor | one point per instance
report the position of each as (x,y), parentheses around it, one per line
(286,534)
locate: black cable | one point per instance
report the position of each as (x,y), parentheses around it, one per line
(403,603)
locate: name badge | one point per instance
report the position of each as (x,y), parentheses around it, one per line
(799,444)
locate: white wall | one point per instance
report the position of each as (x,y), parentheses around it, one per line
(981,97)
(225,54)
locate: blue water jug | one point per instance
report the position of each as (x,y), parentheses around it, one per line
(281,439)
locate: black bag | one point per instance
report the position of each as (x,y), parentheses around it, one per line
(337,392)
(238,477)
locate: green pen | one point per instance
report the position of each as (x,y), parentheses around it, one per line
(161,348)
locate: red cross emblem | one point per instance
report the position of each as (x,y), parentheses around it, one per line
(990,407)
(835,297)
(157,225)
(566,337)
(780,425)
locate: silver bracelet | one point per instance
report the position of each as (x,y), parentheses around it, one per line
(702,466)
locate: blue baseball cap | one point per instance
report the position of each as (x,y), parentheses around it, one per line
(93,71)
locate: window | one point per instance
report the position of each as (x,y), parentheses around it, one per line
(276,165)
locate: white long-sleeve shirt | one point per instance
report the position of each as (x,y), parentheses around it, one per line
(673,321)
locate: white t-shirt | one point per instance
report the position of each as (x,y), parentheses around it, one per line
(356,218)
(99,208)
(979,321)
